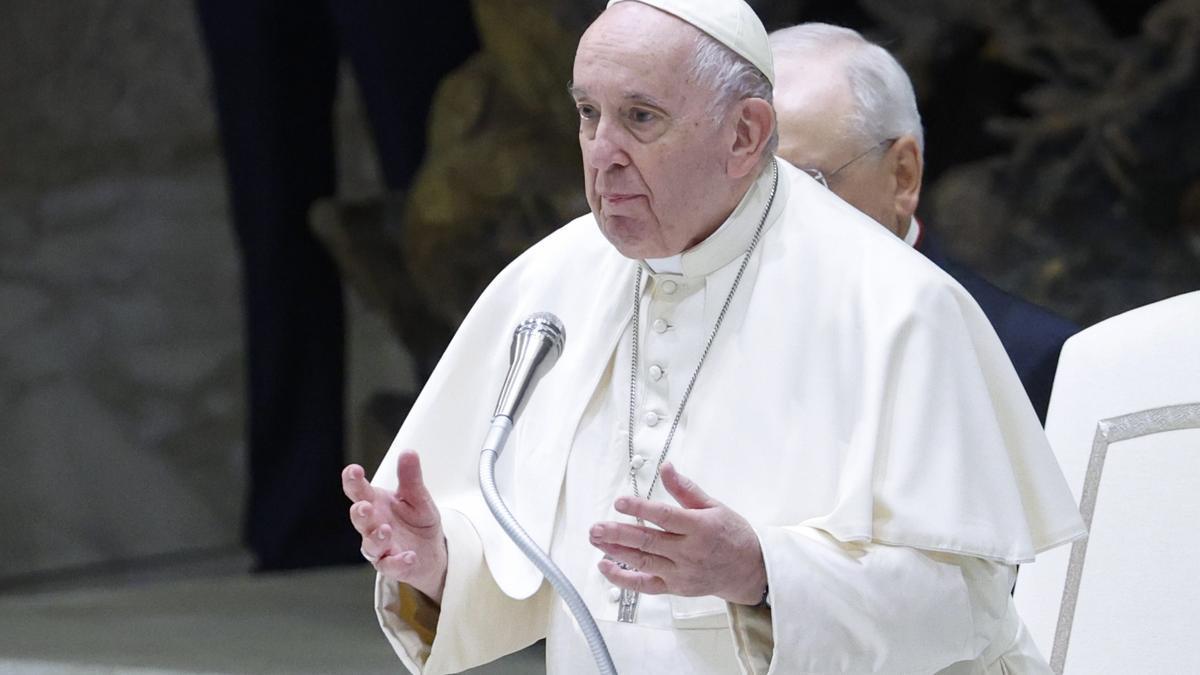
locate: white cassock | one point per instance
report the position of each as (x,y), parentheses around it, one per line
(856,407)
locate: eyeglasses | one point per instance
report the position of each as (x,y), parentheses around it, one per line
(823,178)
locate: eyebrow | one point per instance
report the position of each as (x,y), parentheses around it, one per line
(643,98)
(580,92)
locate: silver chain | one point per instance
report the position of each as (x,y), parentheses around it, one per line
(687,392)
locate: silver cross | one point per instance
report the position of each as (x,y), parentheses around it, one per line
(627,604)
(627,609)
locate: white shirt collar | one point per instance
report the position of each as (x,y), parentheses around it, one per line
(669,265)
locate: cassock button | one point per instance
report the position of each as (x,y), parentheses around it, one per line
(614,594)
(656,372)
(637,462)
(651,418)
(660,326)
(669,287)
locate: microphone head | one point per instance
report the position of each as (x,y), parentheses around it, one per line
(539,326)
(536,345)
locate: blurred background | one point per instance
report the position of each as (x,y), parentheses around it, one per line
(176,250)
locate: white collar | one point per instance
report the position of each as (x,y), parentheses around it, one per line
(669,265)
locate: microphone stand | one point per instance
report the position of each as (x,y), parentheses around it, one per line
(532,343)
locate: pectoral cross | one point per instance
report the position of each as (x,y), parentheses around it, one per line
(627,604)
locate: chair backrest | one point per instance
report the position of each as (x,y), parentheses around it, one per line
(1124,422)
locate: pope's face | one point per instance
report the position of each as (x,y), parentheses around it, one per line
(654,168)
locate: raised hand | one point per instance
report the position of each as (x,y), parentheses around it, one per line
(401,530)
(703,548)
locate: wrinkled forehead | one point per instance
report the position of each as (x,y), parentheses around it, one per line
(636,42)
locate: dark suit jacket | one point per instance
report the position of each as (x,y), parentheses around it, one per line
(1032,335)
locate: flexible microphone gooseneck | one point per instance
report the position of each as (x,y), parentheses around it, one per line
(536,345)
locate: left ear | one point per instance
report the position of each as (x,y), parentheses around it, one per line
(907,167)
(753,122)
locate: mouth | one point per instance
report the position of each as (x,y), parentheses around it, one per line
(618,198)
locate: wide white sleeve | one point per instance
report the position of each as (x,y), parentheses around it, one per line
(869,607)
(477,622)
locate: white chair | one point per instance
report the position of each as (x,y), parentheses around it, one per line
(1124,422)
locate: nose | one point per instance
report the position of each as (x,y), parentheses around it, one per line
(604,148)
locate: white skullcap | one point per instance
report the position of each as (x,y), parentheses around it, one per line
(731,22)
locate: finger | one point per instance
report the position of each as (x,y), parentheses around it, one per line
(399,566)
(376,541)
(376,536)
(376,548)
(669,518)
(355,484)
(639,560)
(415,503)
(642,538)
(362,517)
(684,489)
(632,579)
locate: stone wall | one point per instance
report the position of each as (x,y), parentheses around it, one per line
(121,402)
(119,339)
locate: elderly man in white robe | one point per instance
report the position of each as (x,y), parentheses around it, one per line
(793,442)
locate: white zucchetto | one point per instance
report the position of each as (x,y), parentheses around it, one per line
(731,22)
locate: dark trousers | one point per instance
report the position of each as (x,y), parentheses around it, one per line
(274,71)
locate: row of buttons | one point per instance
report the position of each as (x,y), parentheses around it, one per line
(651,418)
(656,372)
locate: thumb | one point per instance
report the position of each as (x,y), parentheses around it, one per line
(684,489)
(410,488)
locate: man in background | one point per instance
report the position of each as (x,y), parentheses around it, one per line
(848,116)
(274,73)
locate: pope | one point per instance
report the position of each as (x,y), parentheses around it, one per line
(778,440)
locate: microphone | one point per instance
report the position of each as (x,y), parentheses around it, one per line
(537,343)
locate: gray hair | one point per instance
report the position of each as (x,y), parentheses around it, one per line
(884,103)
(733,78)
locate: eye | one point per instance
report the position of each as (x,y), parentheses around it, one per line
(640,116)
(586,111)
